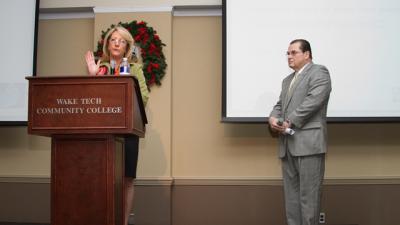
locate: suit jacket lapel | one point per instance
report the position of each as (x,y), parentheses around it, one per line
(296,83)
(286,91)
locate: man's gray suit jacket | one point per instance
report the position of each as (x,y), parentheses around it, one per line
(306,108)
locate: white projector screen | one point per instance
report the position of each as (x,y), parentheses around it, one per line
(18,19)
(357,40)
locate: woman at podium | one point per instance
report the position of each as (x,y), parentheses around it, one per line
(119,44)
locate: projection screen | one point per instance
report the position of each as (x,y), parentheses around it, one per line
(18,19)
(357,40)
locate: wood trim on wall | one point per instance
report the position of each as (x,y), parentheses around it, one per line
(170,181)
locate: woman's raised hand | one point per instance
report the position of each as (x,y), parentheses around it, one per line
(93,68)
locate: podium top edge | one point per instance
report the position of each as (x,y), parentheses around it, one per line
(78,77)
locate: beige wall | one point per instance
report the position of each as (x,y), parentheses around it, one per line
(364,151)
(203,147)
(22,155)
(62,45)
(187,143)
(185,138)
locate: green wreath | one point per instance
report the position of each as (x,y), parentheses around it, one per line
(146,38)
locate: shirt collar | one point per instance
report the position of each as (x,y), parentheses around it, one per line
(302,68)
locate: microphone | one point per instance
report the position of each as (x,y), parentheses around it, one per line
(112,66)
(287,130)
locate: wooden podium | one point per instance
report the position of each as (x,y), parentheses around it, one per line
(87,118)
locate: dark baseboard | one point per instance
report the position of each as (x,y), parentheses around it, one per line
(12,223)
(210,204)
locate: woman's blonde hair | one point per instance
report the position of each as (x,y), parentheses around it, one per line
(125,35)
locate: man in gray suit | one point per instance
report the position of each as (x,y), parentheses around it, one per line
(302,107)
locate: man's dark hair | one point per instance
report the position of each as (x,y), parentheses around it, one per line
(304,45)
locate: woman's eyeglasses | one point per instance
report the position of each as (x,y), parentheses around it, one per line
(118,41)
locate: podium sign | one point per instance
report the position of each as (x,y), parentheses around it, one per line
(85,117)
(86,104)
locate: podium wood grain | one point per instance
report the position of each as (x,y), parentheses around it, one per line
(87,118)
